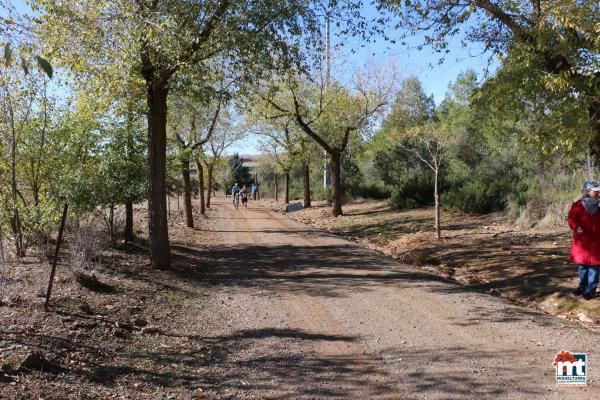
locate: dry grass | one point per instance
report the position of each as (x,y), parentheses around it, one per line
(86,248)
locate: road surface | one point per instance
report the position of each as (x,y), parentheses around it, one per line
(298,313)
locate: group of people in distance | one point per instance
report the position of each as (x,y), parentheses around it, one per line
(242,194)
(584,221)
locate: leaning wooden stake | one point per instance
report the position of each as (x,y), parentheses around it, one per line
(58,242)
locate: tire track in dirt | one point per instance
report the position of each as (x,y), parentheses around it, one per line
(364,326)
(309,314)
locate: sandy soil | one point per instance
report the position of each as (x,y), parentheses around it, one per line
(263,307)
(320,317)
(488,253)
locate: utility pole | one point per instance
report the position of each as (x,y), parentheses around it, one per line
(327,79)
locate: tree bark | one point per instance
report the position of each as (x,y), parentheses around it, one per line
(201,187)
(111,225)
(276,190)
(128,234)
(287,187)
(187,192)
(336,183)
(16,219)
(436,195)
(306,170)
(160,252)
(209,168)
(128,221)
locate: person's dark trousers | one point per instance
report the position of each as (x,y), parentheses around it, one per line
(588,279)
(254,196)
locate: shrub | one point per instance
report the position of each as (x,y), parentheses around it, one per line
(376,191)
(413,192)
(477,196)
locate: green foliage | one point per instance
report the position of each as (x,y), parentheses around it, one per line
(479,194)
(238,172)
(414,191)
(372,190)
(549,54)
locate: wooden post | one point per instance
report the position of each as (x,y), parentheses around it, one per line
(56,253)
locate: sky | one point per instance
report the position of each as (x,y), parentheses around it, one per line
(424,64)
(434,73)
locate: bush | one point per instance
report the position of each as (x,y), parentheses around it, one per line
(486,188)
(549,198)
(413,192)
(319,193)
(376,191)
(477,196)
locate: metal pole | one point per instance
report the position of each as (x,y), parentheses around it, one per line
(327,80)
(56,252)
(327,49)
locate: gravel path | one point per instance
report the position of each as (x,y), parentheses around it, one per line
(297,313)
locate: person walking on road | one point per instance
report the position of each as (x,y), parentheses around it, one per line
(254,190)
(584,221)
(244,197)
(235,193)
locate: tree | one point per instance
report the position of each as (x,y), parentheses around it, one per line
(17,41)
(554,41)
(30,134)
(331,114)
(158,39)
(226,134)
(394,165)
(238,172)
(119,178)
(282,163)
(430,142)
(284,135)
(284,145)
(192,129)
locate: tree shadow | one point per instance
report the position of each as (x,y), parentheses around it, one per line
(322,271)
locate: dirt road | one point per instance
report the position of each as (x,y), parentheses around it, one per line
(296,313)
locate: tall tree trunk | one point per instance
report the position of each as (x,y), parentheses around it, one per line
(336,183)
(201,186)
(128,234)
(16,219)
(111,225)
(287,187)
(436,195)
(306,170)
(187,192)
(209,168)
(158,229)
(128,221)
(276,190)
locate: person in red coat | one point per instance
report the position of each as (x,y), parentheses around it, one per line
(584,221)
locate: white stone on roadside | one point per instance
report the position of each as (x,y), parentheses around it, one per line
(147,330)
(583,317)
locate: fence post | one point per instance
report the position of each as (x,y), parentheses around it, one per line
(57,251)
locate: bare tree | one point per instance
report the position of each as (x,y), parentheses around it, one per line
(191,136)
(430,143)
(224,136)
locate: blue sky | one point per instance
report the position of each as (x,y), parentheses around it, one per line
(435,73)
(424,64)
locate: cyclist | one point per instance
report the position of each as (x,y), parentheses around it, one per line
(235,193)
(244,197)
